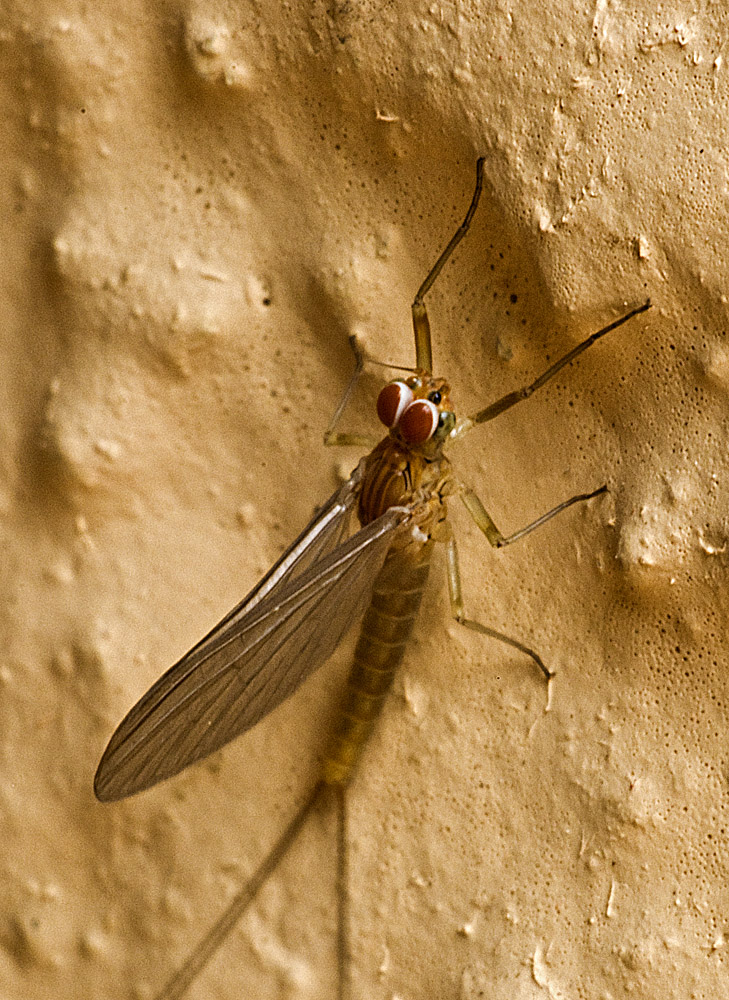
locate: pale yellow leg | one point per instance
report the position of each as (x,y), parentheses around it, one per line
(458,611)
(483,520)
(512,398)
(485,523)
(349,440)
(421,324)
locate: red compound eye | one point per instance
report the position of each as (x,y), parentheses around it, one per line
(392,401)
(419,421)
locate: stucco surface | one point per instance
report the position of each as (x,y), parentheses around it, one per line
(201,202)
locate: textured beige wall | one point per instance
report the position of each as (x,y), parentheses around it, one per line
(199,203)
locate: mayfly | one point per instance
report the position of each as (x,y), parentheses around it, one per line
(294,619)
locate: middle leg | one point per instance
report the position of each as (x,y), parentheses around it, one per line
(485,523)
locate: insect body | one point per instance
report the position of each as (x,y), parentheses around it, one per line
(414,478)
(296,616)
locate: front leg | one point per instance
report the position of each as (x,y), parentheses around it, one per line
(332,439)
(421,323)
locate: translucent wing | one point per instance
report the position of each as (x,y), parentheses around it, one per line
(252,660)
(323,533)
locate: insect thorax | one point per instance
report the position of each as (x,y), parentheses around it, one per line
(398,476)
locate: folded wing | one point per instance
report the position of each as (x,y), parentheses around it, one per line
(255,657)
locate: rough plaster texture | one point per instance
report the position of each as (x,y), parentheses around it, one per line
(200,202)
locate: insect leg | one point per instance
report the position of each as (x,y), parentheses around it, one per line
(421,325)
(357,440)
(485,523)
(201,955)
(458,611)
(512,398)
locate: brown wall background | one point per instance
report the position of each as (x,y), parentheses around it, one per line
(201,201)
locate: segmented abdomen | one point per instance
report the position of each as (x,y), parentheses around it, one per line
(385,632)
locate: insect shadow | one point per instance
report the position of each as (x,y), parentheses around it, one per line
(328,579)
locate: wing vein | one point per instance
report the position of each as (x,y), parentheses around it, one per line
(256,656)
